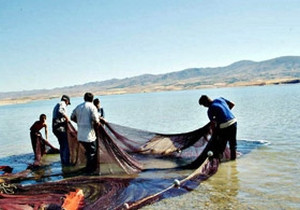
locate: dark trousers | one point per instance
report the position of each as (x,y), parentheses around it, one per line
(227,135)
(64,147)
(217,145)
(91,155)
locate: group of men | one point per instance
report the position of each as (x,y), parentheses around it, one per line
(87,115)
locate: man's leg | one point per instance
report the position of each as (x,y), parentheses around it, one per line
(33,143)
(232,141)
(64,148)
(91,155)
(228,135)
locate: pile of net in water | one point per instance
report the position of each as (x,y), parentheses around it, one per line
(130,169)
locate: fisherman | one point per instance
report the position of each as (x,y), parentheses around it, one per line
(223,122)
(37,141)
(86,116)
(97,103)
(59,128)
(224,128)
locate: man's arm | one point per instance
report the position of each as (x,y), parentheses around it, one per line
(229,103)
(67,118)
(46,131)
(73,116)
(63,111)
(95,116)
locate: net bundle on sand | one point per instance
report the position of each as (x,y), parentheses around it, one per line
(129,172)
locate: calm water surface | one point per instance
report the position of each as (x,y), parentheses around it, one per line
(267,177)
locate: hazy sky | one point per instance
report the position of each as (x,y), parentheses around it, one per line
(51,43)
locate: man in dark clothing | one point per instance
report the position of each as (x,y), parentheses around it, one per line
(59,128)
(38,142)
(97,103)
(223,122)
(224,126)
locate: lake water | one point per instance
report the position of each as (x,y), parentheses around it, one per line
(268,177)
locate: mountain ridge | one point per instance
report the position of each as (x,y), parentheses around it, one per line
(285,69)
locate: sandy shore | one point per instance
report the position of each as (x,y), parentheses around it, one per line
(14,101)
(152,88)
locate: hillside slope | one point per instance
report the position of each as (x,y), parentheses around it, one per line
(278,70)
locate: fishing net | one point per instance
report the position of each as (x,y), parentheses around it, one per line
(123,150)
(144,142)
(111,159)
(103,192)
(40,147)
(137,168)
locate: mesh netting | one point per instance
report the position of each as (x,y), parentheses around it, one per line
(130,164)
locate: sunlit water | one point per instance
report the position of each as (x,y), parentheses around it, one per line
(268,177)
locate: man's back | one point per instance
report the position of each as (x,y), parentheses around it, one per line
(58,120)
(219,111)
(85,114)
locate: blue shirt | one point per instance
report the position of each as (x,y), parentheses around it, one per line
(219,111)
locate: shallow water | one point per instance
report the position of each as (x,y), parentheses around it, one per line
(268,177)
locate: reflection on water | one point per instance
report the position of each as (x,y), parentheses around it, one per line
(226,182)
(218,192)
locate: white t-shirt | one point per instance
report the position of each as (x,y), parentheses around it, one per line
(86,114)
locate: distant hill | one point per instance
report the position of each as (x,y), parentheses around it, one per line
(278,70)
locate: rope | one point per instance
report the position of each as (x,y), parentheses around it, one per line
(7,188)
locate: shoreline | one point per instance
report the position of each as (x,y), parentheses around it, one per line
(147,89)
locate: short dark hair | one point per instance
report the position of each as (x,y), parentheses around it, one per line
(96,101)
(204,100)
(88,97)
(42,116)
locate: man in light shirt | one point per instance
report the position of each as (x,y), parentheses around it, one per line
(59,127)
(86,116)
